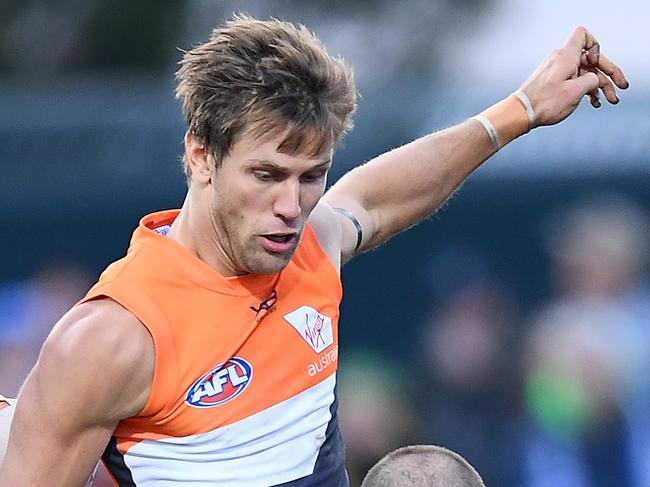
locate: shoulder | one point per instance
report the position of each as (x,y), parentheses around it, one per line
(101,353)
(327,228)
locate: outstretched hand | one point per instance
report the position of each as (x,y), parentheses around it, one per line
(569,73)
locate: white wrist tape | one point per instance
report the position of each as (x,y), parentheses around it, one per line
(491,130)
(530,111)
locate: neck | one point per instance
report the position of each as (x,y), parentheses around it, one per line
(194,230)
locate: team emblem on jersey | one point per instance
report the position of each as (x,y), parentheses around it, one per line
(221,384)
(314,327)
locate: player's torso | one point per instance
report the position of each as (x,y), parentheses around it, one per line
(244,387)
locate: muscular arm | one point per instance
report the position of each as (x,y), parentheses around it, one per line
(95,368)
(403,186)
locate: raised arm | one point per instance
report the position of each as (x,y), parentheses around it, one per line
(94,369)
(401,187)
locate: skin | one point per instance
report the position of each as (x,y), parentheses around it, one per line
(255,192)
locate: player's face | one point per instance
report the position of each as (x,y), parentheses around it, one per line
(260,202)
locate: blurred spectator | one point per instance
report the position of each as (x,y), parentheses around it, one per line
(469,335)
(588,353)
(81,34)
(28,310)
(375,410)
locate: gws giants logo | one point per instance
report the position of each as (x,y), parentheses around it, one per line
(314,327)
(221,384)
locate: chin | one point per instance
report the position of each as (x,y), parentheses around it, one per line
(269,263)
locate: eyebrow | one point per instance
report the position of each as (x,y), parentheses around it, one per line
(273,165)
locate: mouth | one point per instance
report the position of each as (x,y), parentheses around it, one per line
(278,242)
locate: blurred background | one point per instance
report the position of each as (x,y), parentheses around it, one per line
(512,327)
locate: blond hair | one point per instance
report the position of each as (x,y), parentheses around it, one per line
(270,78)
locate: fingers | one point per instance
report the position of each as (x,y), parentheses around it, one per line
(592,54)
(571,72)
(592,61)
(607,87)
(604,84)
(582,40)
(594,95)
(584,43)
(612,70)
(586,83)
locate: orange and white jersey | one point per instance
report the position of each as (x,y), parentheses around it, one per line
(243,392)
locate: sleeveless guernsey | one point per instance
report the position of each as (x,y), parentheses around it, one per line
(243,392)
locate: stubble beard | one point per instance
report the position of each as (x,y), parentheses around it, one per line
(258,260)
(245,252)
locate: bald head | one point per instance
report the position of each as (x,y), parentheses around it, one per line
(422,466)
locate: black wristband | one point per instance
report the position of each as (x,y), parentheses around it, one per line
(355,222)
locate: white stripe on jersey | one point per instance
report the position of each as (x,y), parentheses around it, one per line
(274,446)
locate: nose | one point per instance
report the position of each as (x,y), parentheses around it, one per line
(287,201)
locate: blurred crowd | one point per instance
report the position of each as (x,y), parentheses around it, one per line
(552,394)
(557,393)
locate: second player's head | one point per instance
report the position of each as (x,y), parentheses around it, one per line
(422,466)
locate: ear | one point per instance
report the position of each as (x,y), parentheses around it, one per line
(198,158)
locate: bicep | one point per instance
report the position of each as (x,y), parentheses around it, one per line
(93,370)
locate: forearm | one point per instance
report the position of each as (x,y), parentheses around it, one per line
(403,186)
(42,450)
(400,188)
(70,465)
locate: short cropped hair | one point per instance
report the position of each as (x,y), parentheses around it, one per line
(422,466)
(269,78)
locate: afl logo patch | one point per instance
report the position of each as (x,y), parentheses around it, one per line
(221,384)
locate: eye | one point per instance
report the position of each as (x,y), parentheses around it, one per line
(264,176)
(313,177)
